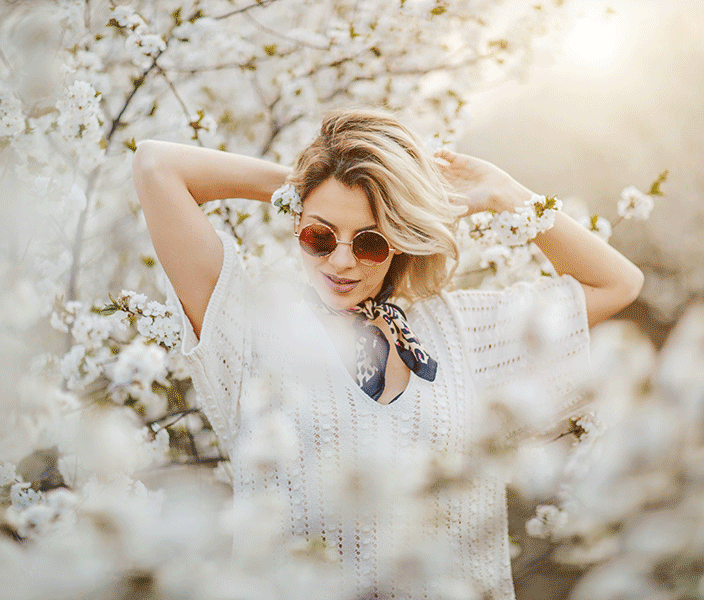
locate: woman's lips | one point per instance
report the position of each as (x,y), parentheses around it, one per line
(341,285)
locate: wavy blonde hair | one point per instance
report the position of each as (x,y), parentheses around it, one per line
(407,193)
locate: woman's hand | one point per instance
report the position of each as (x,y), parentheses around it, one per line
(478,184)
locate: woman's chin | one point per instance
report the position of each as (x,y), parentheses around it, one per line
(336,301)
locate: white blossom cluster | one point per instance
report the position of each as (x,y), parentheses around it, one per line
(634,204)
(600,226)
(36,515)
(79,368)
(79,111)
(287,200)
(137,368)
(11,117)
(8,473)
(548,521)
(140,43)
(90,332)
(521,225)
(154,321)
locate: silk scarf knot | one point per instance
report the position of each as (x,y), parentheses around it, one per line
(372,347)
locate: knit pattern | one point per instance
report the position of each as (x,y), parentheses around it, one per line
(372,483)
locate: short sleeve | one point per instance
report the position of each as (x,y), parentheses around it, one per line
(534,334)
(216,360)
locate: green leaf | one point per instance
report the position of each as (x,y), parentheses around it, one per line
(655,188)
(593,221)
(108,310)
(438,10)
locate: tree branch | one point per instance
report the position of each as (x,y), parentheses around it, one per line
(78,240)
(238,11)
(180,101)
(137,84)
(283,36)
(176,413)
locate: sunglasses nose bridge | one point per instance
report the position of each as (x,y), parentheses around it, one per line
(342,257)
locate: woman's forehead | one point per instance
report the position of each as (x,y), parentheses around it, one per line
(339,206)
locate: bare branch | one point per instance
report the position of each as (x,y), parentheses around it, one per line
(78,240)
(180,101)
(231,65)
(177,413)
(283,36)
(6,62)
(137,84)
(276,129)
(261,4)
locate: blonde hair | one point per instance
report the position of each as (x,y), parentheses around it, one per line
(407,193)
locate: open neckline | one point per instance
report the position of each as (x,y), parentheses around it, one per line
(398,399)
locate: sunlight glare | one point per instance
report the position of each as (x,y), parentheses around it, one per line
(594,42)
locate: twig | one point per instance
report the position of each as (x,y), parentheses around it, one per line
(3,58)
(220,67)
(238,11)
(86,15)
(78,240)
(283,36)
(137,84)
(203,460)
(180,101)
(276,130)
(177,413)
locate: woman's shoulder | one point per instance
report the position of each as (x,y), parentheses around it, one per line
(477,305)
(440,308)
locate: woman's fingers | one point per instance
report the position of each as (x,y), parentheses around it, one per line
(445,154)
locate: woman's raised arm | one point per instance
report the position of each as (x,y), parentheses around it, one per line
(610,281)
(171,181)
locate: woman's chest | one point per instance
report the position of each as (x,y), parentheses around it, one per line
(328,426)
(306,379)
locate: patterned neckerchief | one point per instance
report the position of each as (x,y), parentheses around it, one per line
(372,347)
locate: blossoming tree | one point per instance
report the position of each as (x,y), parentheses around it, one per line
(97,401)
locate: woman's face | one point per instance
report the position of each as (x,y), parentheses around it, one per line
(339,278)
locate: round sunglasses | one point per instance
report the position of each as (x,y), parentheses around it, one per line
(369,247)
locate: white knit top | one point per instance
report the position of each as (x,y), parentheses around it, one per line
(369,492)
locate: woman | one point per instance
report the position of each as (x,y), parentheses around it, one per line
(356,382)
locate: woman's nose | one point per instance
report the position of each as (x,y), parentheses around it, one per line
(342,257)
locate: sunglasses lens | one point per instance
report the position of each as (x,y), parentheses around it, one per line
(370,247)
(317,240)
